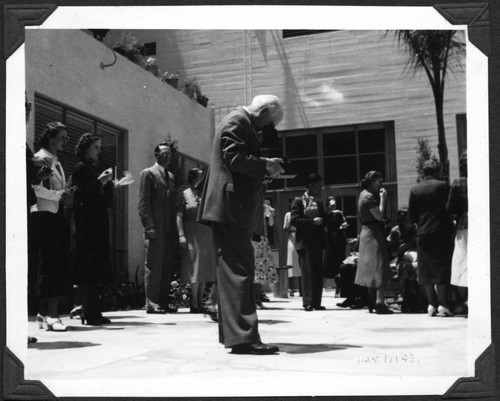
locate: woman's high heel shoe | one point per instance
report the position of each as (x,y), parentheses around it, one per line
(54,324)
(40,320)
(76,311)
(93,321)
(211,311)
(382,309)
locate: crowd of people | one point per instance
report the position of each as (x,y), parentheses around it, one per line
(220,223)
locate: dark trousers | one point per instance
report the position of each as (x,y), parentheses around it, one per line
(238,322)
(311,265)
(158,270)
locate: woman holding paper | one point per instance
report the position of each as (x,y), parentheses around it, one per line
(94,195)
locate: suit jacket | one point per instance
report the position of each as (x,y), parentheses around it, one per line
(157,200)
(427,207)
(233,191)
(49,191)
(308,235)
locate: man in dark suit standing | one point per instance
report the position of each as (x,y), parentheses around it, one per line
(157,202)
(308,215)
(427,209)
(232,204)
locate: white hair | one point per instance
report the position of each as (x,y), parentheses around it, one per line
(274,105)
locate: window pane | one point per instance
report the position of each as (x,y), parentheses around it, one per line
(301,146)
(371,140)
(340,170)
(372,162)
(339,143)
(303,168)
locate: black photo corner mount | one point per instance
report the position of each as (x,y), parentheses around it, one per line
(17,16)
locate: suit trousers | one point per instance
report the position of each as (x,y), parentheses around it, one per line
(311,265)
(238,323)
(158,270)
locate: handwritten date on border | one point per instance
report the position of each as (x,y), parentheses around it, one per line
(409,358)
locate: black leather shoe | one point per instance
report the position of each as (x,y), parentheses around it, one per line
(257,348)
(156,311)
(319,307)
(308,308)
(347,302)
(170,310)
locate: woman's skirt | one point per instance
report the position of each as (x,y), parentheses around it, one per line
(292,257)
(434,258)
(459,261)
(373,262)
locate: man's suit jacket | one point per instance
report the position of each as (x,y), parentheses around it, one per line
(157,200)
(233,190)
(308,235)
(427,207)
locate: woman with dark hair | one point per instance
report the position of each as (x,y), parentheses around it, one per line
(51,229)
(198,256)
(93,197)
(373,263)
(458,208)
(427,209)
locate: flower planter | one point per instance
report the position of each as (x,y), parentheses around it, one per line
(203,100)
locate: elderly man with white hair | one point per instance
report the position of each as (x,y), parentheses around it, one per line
(231,204)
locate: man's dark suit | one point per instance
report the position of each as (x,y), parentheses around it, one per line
(311,241)
(232,203)
(427,208)
(157,202)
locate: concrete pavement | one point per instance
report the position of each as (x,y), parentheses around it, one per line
(332,352)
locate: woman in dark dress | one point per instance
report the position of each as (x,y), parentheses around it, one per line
(373,263)
(335,235)
(92,198)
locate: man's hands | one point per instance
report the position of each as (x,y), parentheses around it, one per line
(150,233)
(274,167)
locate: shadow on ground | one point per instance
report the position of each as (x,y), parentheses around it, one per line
(272,321)
(62,345)
(312,348)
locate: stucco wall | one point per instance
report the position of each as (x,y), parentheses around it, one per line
(65,65)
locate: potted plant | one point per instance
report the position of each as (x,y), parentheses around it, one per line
(149,64)
(129,47)
(202,99)
(171,79)
(190,87)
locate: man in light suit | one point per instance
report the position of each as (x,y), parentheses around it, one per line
(157,202)
(232,204)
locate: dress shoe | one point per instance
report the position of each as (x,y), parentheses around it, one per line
(259,305)
(76,311)
(264,297)
(347,302)
(104,320)
(257,348)
(308,308)
(382,309)
(156,311)
(40,321)
(358,304)
(32,340)
(443,311)
(169,309)
(319,307)
(431,311)
(54,324)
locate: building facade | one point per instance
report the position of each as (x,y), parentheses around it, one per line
(351,104)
